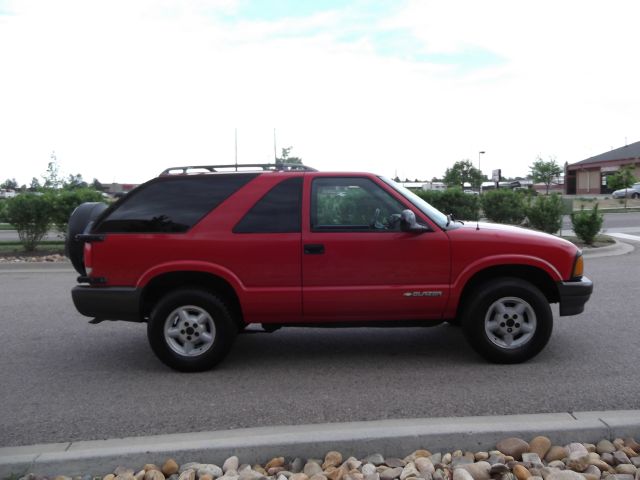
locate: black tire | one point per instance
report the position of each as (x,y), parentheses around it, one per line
(81,217)
(178,326)
(635,195)
(522,328)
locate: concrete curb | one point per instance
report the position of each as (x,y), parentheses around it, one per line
(257,445)
(618,248)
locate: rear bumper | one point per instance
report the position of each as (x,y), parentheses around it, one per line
(108,303)
(573,296)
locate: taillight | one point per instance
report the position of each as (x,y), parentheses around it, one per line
(578,267)
(88,263)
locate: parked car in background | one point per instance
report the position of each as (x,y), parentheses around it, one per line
(7,193)
(632,192)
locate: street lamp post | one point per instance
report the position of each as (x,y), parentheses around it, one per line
(479,154)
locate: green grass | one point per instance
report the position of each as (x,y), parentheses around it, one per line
(619,210)
(607,204)
(6,226)
(15,476)
(44,248)
(600,241)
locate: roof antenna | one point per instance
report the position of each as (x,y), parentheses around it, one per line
(275,152)
(236,132)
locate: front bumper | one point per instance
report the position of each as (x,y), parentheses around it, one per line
(573,296)
(108,303)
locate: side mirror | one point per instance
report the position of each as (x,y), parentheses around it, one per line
(408,223)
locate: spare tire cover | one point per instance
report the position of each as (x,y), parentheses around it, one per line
(81,217)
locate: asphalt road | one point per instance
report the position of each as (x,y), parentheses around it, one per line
(65,380)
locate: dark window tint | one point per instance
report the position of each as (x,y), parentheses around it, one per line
(170,204)
(277,212)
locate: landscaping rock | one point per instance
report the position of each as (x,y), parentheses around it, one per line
(514,459)
(513,447)
(540,445)
(169,467)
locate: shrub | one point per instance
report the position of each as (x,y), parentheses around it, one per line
(453,200)
(503,206)
(64,203)
(587,224)
(545,213)
(30,214)
(3,211)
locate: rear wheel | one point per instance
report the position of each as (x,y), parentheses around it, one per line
(635,195)
(191,330)
(508,321)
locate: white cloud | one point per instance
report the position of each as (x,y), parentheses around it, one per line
(122,90)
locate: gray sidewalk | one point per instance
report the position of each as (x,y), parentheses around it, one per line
(253,445)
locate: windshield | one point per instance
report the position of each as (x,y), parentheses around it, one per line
(433,213)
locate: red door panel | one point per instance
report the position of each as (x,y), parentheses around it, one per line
(368,275)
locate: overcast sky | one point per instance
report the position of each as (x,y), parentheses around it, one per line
(122,89)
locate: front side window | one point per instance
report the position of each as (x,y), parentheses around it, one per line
(353,204)
(170,204)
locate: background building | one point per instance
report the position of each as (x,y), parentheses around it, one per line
(590,176)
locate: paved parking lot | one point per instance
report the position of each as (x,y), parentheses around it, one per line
(63,379)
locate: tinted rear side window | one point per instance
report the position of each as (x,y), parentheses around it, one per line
(277,212)
(170,204)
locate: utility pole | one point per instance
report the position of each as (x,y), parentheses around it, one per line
(479,154)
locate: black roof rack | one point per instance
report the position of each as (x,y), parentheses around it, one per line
(242,167)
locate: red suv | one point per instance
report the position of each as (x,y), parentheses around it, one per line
(199,256)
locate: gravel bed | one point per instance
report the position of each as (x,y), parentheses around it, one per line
(513,459)
(50,258)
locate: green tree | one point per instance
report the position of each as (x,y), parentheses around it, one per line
(545,212)
(3,210)
(623,178)
(462,172)
(30,214)
(35,185)
(96,185)
(454,201)
(64,202)
(51,178)
(74,182)
(546,172)
(9,184)
(286,158)
(503,206)
(587,224)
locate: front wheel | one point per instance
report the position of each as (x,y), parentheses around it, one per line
(635,196)
(191,330)
(508,321)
